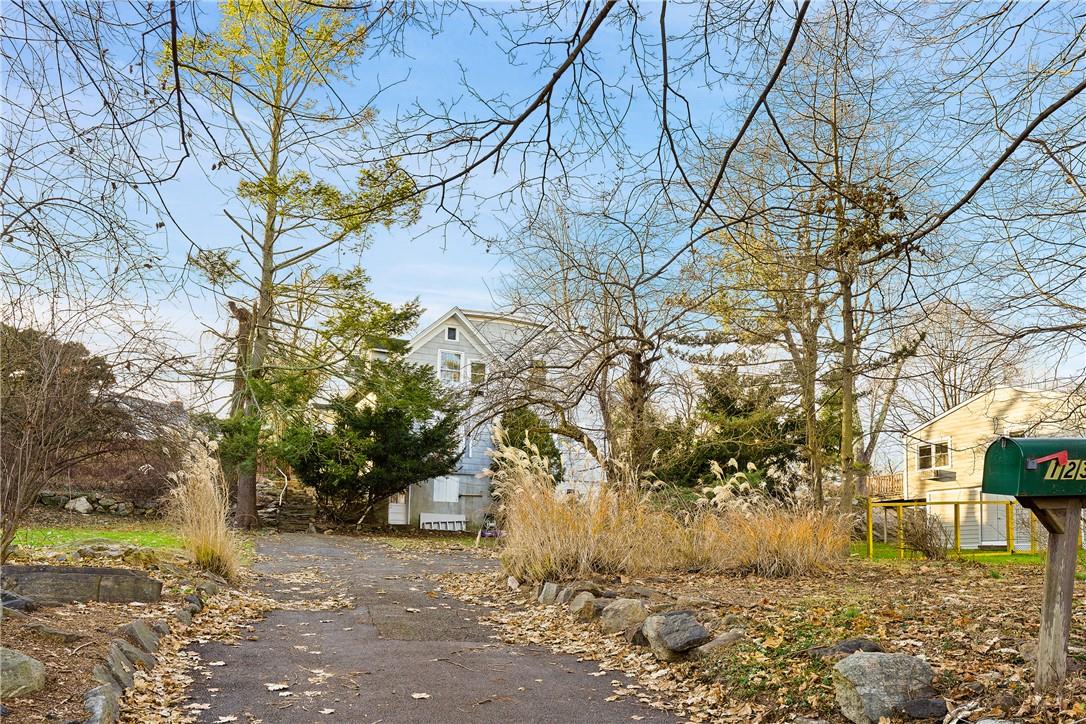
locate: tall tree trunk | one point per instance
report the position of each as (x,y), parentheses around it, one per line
(848,394)
(812,434)
(246,516)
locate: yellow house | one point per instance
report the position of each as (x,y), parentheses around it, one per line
(944,456)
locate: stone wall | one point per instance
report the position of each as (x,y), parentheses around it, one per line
(95,502)
(291,509)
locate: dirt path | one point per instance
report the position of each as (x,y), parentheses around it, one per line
(403,639)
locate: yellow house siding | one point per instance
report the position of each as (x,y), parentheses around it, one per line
(972,427)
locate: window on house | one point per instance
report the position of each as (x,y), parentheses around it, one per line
(465,433)
(930,455)
(449,365)
(447,489)
(478,373)
(450,334)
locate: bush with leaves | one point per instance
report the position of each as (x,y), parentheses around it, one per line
(399,427)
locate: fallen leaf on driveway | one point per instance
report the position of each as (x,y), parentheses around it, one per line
(420,696)
(327,711)
(223,719)
(276,687)
(412,610)
(217,663)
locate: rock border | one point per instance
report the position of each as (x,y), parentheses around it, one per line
(134,647)
(673,633)
(870,684)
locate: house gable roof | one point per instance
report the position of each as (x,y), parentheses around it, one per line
(1039,393)
(460,316)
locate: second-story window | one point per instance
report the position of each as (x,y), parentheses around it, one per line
(450,334)
(449,366)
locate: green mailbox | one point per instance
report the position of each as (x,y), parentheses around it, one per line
(1036,467)
(1047,476)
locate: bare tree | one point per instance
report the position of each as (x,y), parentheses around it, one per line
(586,276)
(61,405)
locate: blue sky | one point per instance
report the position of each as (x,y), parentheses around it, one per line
(434,261)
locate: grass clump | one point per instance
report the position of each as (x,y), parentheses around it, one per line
(612,530)
(200,509)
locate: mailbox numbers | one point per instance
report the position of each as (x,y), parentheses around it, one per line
(1071,470)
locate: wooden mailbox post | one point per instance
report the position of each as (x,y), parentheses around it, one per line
(1047,476)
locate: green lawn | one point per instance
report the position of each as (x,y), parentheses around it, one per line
(151,535)
(888,551)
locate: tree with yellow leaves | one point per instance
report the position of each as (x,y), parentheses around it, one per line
(269,84)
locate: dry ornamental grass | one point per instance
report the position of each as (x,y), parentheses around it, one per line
(609,531)
(200,509)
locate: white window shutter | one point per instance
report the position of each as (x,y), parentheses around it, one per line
(447,489)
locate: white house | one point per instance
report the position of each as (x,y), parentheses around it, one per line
(462,346)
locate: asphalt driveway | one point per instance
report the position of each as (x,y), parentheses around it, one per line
(405,653)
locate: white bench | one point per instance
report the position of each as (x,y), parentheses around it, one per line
(442,521)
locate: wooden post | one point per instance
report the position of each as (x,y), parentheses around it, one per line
(957,528)
(1032,533)
(870,531)
(885,524)
(1059,587)
(900,531)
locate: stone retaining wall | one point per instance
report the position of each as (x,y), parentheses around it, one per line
(93,502)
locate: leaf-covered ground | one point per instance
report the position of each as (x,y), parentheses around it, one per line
(974,624)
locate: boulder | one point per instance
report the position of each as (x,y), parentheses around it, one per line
(56,634)
(120,667)
(139,659)
(671,635)
(586,606)
(844,648)
(622,613)
(103,674)
(79,505)
(208,587)
(549,593)
(572,590)
(139,633)
(53,585)
(14,601)
(195,600)
(183,615)
(19,674)
(102,704)
(512,583)
(721,642)
(160,627)
(872,685)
